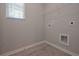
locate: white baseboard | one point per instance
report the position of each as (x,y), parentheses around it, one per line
(21,49)
(62,49)
(35,44)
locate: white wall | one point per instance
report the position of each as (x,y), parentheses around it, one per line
(34,28)
(0,30)
(19,33)
(60,15)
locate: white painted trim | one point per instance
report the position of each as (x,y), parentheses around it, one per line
(35,44)
(62,49)
(21,49)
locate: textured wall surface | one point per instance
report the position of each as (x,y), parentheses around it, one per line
(0,29)
(18,33)
(60,16)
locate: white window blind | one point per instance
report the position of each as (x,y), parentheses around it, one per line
(15,10)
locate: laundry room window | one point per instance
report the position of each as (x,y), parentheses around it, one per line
(15,10)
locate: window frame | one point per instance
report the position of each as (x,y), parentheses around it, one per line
(7,13)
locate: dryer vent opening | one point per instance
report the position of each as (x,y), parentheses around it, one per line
(64,39)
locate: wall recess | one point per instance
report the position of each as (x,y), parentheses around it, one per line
(64,39)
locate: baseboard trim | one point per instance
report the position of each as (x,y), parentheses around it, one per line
(21,49)
(62,49)
(38,43)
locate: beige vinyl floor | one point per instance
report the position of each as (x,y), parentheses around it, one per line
(41,50)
